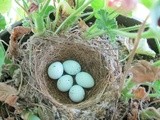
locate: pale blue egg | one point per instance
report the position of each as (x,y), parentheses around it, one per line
(55,70)
(64,83)
(76,93)
(85,80)
(71,67)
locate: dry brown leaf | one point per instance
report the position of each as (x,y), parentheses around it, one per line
(33,7)
(143,71)
(8,94)
(133,114)
(140,93)
(16,34)
(11,100)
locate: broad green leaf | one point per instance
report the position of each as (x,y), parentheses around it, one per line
(5,5)
(2,22)
(156,86)
(20,13)
(2,56)
(49,10)
(97,4)
(104,22)
(147,3)
(144,49)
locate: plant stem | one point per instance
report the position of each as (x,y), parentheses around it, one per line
(132,28)
(56,17)
(158,44)
(89,17)
(42,11)
(79,10)
(128,86)
(146,34)
(128,64)
(126,91)
(98,33)
(39,24)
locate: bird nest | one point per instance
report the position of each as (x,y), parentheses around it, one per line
(96,56)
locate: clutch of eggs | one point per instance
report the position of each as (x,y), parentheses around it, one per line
(65,82)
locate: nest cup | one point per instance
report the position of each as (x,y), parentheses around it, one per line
(92,57)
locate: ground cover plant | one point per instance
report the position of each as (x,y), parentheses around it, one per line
(126,71)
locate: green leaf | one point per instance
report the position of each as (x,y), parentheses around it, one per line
(147,3)
(40,1)
(2,22)
(156,86)
(97,4)
(26,23)
(2,56)
(104,22)
(49,10)
(5,5)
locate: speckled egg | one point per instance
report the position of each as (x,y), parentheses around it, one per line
(71,67)
(55,70)
(64,83)
(76,93)
(84,79)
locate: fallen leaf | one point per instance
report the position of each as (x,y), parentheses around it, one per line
(11,100)
(140,93)
(133,114)
(16,34)
(143,72)
(8,94)
(33,7)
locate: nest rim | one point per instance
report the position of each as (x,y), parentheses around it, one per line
(69,41)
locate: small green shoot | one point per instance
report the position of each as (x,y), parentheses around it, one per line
(2,22)
(104,24)
(2,57)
